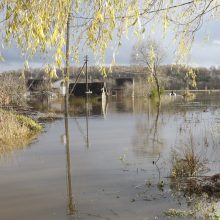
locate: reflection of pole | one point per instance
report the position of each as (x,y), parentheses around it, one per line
(133,88)
(133,109)
(86,61)
(87,119)
(71,205)
(133,95)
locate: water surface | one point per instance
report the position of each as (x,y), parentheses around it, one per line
(108,171)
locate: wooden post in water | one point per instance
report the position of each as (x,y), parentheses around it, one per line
(71,205)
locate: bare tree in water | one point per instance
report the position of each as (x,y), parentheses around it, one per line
(151,54)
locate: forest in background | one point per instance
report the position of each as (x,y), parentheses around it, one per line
(172,77)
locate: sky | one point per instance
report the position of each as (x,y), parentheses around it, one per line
(204,53)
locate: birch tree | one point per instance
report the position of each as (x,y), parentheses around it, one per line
(150,54)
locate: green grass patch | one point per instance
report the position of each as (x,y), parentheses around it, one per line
(29,122)
(154,93)
(176,213)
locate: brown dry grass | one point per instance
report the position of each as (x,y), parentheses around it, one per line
(15,132)
(187,162)
(12,90)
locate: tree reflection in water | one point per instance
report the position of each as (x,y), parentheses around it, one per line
(147,141)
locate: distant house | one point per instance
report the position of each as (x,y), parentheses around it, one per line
(80,88)
(56,85)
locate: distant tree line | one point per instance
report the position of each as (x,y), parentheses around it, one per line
(172,77)
(175,77)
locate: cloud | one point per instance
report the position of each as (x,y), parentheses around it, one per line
(202,54)
(216,42)
(205,55)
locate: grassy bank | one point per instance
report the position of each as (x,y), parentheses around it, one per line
(16,131)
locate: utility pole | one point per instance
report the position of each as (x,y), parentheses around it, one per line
(66,72)
(87,102)
(71,204)
(86,62)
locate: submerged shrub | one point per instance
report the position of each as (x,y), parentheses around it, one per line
(153,93)
(199,207)
(187,161)
(186,164)
(189,95)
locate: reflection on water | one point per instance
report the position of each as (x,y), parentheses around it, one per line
(147,139)
(87,120)
(119,174)
(71,205)
(91,106)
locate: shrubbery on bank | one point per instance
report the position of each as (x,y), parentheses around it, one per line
(16,131)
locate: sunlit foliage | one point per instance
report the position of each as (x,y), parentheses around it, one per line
(151,54)
(39,25)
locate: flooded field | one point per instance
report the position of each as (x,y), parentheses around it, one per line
(117,163)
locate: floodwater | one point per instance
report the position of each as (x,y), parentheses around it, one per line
(106,160)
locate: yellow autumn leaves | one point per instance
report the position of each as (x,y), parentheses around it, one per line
(40,25)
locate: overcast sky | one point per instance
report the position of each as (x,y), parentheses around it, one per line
(204,53)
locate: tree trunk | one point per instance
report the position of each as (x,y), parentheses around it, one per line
(157,84)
